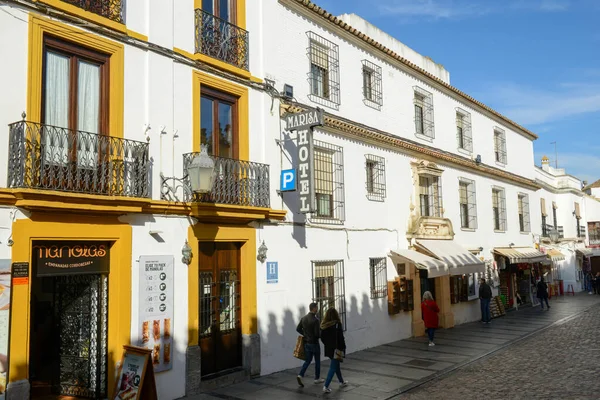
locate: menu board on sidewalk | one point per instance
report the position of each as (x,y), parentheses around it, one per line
(156,309)
(135,377)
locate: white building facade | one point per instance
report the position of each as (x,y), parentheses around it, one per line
(403,161)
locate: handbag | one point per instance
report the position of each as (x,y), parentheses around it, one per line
(338,354)
(299,349)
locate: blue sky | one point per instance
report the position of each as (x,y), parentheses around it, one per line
(535,61)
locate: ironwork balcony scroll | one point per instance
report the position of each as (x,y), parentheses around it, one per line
(49,157)
(111,9)
(222,40)
(236,182)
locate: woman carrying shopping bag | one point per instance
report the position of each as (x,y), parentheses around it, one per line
(332,336)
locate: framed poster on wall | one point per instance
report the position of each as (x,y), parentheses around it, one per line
(155,321)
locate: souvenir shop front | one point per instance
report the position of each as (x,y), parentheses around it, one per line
(553,271)
(589,260)
(519,269)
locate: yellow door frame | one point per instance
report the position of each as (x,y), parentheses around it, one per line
(72,227)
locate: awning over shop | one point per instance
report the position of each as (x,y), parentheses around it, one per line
(434,267)
(555,255)
(588,252)
(459,260)
(518,255)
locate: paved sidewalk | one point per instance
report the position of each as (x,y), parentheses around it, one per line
(385,371)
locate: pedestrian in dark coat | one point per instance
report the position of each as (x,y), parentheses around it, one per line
(430,310)
(542,292)
(332,336)
(309,328)
(485,297)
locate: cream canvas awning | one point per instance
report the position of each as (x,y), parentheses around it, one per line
(518,255)
(588,252)
(459,260)
(555,255)
(434,267)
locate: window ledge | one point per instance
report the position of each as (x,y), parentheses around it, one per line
(468,229)
(498,231)
(524,233)
(424,137)
(464,151)
(500,164)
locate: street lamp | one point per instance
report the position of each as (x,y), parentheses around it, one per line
(201,171)
(553,235)
(262,252)
(186,252)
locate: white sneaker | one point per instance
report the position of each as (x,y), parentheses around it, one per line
(326,389)
(344,384)
(299,379)
(316,381)
(431,344)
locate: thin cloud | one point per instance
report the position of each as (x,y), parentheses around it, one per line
(459,9)
(531,106)
(584,166)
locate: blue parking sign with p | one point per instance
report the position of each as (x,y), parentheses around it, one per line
(288,180)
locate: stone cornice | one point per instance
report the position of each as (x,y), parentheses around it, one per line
(358,131)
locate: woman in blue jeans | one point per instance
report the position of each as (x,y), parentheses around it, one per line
(332,336)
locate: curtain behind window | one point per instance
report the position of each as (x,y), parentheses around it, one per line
(56,108)
(88,113)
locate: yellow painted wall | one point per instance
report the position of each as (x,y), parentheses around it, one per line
(215,233)
(38,27)
(72,227)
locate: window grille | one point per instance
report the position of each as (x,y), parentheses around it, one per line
(430,196)
(324,75)
(580,229)
(375,169)
(329,288)
(329,183)
(545,227)
(554,216)
(464,136)
(500,145)
(468,204)
(372,85)
(523,203)
(378,273)
(499,209)
(594,233)
(423,103)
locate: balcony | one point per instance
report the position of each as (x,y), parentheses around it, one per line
(236,182)
(52,158)
(546,229)
(222,40)
(111,9)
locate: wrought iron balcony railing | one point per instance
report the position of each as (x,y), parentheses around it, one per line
(48,157)
(222,40)
(236,182)
(111,9)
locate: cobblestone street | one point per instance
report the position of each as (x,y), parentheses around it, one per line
(528,353)
(560,362)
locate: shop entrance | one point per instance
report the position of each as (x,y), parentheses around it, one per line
(220,302)
(69,318)
(427,284)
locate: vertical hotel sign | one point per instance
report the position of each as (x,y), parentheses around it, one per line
(303,124)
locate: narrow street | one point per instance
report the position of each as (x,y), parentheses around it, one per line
(526,354)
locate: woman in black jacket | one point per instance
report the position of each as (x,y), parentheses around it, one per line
(332,336)
(542,293)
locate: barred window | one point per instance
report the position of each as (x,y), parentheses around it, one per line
(329,288)
(430,196)
(499,209)
(523,206)
(372,85)
(464,136)
(500,145)
(423,103)
(378,273)
(329,183)
(375,169)
(468,204)
(324,70)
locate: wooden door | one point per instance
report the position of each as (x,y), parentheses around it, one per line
(220,307)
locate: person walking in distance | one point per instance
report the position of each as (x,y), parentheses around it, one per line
(332,336)
(485,296)
(309,328)
(542,293)
(430,310)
